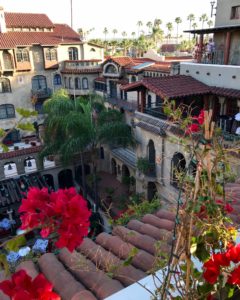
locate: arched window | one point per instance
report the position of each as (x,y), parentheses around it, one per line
(73,53)
(39,82)
(10,169)
(151,152)
(77,83)
(70,83)
(5,86)
(92,50)
(22,55)
(7,111)
(85,83)
(178,166)
(57,79)
(111,69)
(134,78)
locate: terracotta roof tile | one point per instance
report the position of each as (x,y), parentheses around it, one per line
(88,70)
(171,86)
(29,20)
(62,34)
(122,61)
(100,79)
(20,152)
(83,273)
(231,93)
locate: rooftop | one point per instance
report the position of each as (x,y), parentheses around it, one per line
(87,270)
(29,20)
(61,34)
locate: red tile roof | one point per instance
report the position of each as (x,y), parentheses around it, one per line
(62,34)
(28,20)
(83,274)
(100,79)
(224,92)
(88,70)
(159,66)
(171,86)
(20,152)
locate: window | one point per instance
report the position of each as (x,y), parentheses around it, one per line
(149,101)
(178,166)
(85,83)
(70,83)
(5,86)
(111,69)
(22,55)
(134,78)
(101,86)
(92,50)
(77,83)
(51,54)
(39,82)
(235,12)
(73,53)
(65,82)
(57,79)
(7,111)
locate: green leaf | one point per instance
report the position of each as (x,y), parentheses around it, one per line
(26,126)
(205,288)
(193,248)
(26,113)
(230,292)
(2,132)
(15,243)
(202,253)
(5,147)
(4,264)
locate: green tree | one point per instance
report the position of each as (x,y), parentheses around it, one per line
(203,19)
(210,23)
(169,26)
(105,32)
(178,21)
(83,125)
(194,26)
(114,32)
(139,24)
(149,26)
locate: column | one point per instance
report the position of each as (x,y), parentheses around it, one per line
(200,51)
(227,48)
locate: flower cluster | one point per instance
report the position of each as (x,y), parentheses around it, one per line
(195,127)
(212,268)
(64,212)
(23,287)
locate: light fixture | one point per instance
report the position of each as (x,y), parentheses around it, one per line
(212,8)
(29,164)
(9,167)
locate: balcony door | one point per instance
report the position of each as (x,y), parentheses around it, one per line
(113,88)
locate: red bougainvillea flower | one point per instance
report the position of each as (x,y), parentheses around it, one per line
(233,253)
(234,277)
(192,128)
(211,271)
(23,287)
(64,211)
(228,208)
(199,118)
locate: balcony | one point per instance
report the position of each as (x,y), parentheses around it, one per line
(120,103)
(146,167)
(215,58)
(41,94)
(75,65)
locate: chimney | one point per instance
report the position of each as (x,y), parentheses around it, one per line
(3,27)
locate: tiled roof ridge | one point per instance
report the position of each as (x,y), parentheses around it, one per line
(20,152)
(22,19)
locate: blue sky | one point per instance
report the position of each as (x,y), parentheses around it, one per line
(122,15)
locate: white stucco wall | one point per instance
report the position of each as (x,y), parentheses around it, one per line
(213,75)
(223,13)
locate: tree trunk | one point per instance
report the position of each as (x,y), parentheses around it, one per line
(83,176)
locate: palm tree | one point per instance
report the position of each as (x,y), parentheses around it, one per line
(76,127)
(178,21)
(157,23)
(105,32)
(149,25)
(169,26)
(210,23)
(190,18)
(114,32)
(194,26)
(124,34)
(133,34)
(139,24)
(203,19)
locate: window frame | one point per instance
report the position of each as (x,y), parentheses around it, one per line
(235,12)
(73,53)
(6,108)
(5,85)
(85,87)
(22,55)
